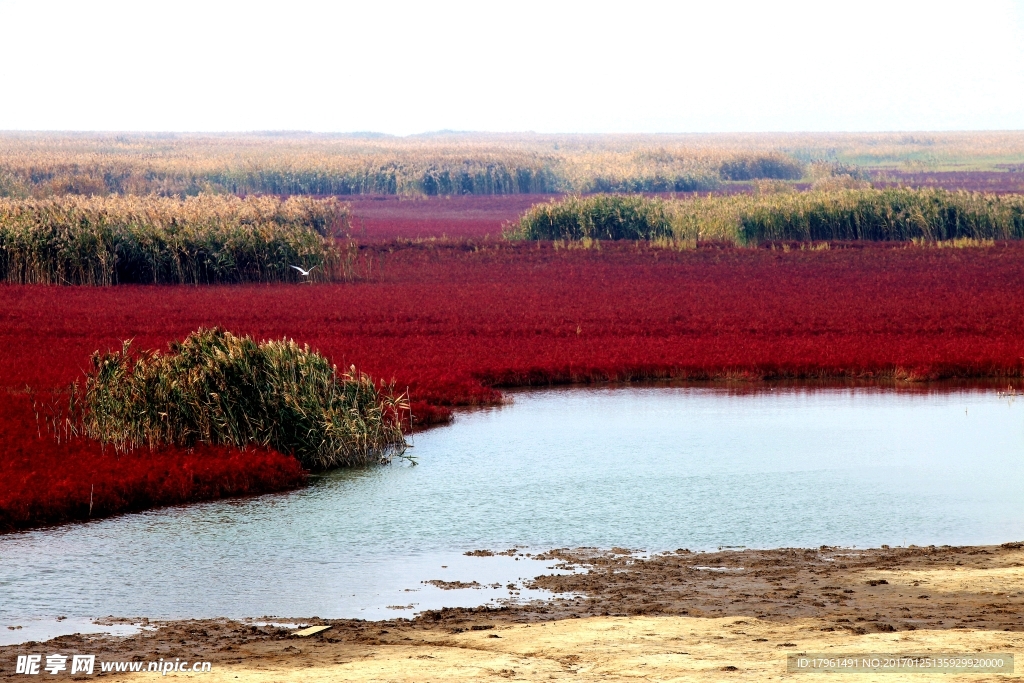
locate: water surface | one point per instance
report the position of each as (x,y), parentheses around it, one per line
(650,468)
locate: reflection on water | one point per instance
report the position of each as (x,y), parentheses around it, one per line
(654,468)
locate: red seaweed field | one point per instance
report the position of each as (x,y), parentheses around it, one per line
(1010,180)
(45,482)
(383,217)
(455,321)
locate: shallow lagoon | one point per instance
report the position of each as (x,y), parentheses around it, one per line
(646,468)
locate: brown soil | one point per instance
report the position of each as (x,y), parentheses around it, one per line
(677,616)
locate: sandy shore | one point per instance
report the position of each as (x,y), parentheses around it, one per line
(679,616)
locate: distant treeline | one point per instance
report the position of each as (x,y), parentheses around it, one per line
(38,165)
(204,239)
(836,214)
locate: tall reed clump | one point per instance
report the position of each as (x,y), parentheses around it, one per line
(218,388)
(898,214)
(833,213)
(203,239)
(598,217)
(761,166)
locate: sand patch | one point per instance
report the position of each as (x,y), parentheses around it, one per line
(612,649)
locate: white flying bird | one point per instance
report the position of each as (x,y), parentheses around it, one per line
(304,271)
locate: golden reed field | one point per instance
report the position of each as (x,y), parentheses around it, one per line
(39,164)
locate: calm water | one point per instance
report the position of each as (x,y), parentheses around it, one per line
(651,468)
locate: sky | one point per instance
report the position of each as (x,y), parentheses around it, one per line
(550,67)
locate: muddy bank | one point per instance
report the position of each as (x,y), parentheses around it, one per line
(881,590)
(680,615)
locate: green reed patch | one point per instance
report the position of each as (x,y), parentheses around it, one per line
(598,217)
(204,239)
(777,212)
(898,214)
(218,388)
(761,166)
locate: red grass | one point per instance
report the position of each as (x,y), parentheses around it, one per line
(999,182)
(454,320)
(377,218)
(46,482)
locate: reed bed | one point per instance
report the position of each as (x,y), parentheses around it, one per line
(896,214)
(836,213)
(204,239)
(758,166)
(217,388)
(608,217)
(46,164)
(36,164)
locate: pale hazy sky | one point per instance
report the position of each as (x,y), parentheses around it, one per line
(551,66)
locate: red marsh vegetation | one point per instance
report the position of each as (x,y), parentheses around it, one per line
(375,218)
(42,481)
(1007,181)
(386,217)
(456,321)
